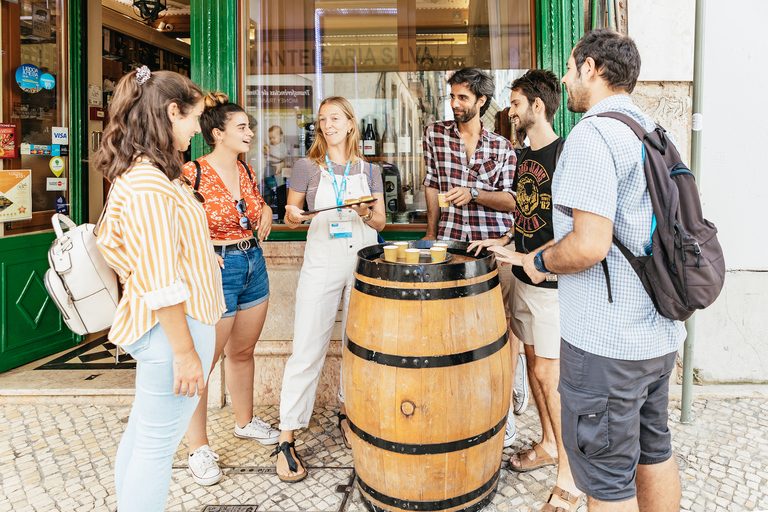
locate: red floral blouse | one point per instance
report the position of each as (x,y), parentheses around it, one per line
(220,206)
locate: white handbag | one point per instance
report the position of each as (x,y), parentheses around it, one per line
(83,286)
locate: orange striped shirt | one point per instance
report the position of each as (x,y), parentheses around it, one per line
(155,235)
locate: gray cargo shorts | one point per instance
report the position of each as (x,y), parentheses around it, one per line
(614,417)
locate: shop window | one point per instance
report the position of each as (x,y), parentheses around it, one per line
(34,140)
(391,59)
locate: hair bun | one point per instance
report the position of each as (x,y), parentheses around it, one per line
(214,99)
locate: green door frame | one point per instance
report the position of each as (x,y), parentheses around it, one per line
(30,325)
(559,26)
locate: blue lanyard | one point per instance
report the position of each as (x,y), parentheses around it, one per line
(338,190)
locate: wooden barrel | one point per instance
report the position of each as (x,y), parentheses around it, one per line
(427,383)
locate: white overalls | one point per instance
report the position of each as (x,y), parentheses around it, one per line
(326,276)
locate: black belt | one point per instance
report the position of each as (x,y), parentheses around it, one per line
(242,245)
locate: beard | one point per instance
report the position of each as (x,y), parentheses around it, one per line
(526,121)
(467,115)
(577,97)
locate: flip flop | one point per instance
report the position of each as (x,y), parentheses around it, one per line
(341,417)
(573,501)
(542,459)
(285,448)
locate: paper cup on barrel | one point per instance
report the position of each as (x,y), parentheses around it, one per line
(442,203)
(401,247)
(412,255)
(440,244)
(438,254)
(390,253)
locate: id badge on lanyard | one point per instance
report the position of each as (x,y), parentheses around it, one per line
(339,228)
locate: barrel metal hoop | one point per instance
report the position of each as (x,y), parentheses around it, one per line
(455,292)
(428,449)
(433,505)
(399,361)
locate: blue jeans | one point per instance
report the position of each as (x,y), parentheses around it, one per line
(244,279)
(158,419)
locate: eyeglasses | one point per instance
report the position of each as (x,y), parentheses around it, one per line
(242,208)
(195,193)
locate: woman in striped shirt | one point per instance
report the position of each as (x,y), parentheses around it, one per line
(155,235)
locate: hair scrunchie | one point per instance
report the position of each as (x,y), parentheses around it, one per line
(142,75)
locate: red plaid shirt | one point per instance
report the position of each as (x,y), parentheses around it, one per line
(491,168)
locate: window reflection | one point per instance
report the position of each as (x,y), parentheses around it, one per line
(391,59)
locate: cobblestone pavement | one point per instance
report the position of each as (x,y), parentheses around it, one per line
(61,457)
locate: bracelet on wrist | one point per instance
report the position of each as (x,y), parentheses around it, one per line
(183,358)
(367,217)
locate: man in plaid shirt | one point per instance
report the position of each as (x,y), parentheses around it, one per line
(472,166)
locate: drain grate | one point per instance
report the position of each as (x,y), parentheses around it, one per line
(252,471)
(230,508)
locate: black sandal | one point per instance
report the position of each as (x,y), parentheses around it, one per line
(285,448)
(341,417)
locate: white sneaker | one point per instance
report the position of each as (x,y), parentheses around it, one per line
(510,433)
(204,466)
(520,393)
(259,430)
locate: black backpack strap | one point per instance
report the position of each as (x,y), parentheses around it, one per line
(604,263)
(559,151)
(247,168)
(197,177)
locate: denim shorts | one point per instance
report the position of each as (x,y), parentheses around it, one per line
(245,280)
(613,417)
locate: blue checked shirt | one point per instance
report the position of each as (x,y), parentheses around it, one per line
(601,172)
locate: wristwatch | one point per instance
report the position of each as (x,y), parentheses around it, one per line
(474,193)
(538,262)
(510,234)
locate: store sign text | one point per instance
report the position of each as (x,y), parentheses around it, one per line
(354,57)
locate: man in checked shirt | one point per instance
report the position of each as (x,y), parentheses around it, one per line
(472,166)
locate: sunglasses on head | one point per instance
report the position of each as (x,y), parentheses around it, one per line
(527,79)
(242,208)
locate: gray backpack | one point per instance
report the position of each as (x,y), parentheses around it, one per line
(685,269)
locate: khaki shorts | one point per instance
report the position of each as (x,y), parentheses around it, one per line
(506,280)
(536,318)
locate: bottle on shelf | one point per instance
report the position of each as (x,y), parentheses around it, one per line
(388,145)
(404,149)
(369,141)
(309,135)
(377,136)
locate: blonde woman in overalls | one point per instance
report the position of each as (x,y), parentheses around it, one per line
(333,173)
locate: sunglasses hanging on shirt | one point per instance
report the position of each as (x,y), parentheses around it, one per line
(242,208)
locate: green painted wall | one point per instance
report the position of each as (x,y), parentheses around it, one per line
(214,25)
(30,325)
(559,26)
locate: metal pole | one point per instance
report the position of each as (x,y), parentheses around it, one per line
(696,128)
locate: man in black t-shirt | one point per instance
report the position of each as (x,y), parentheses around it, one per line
(535,313)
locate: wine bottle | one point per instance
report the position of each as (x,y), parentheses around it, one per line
(369,141)
(309,136)
(388,139)
(377,136)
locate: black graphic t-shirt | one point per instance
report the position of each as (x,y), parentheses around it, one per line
(533,210)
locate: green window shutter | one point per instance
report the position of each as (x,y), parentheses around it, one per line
(214,51)
(559,26)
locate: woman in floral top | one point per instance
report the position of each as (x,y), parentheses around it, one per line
(236,212)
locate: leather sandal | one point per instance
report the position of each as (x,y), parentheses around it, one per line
(573,501)
(341,417)
(285,448)
(543,458)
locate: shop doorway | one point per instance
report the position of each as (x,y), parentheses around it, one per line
(131,35)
